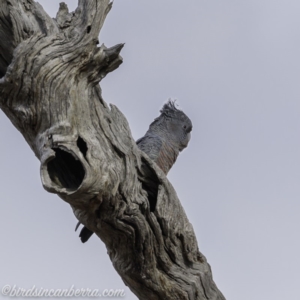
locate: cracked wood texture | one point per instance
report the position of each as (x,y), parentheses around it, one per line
(50,71)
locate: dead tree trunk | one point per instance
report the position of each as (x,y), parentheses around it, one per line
(51,69)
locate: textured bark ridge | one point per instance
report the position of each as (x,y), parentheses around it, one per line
(51,69)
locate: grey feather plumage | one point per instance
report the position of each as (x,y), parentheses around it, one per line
(166,137)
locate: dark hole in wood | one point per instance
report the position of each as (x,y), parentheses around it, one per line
(150,183)
(81,144)
(65,171)
(152,191)
(88,29)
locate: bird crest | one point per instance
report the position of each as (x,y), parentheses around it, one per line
(169,109)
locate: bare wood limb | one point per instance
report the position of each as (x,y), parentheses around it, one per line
(50,92)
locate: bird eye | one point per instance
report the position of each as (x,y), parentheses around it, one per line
(187,128)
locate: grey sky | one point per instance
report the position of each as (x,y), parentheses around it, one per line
(234,67)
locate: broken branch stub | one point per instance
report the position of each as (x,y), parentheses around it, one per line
(49,90)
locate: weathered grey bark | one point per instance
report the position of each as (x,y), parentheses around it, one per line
(49,90)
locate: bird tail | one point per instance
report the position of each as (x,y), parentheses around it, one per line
(85,233)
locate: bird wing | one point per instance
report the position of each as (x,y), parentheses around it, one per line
(151,145)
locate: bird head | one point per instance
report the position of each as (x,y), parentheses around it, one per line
(177,124)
